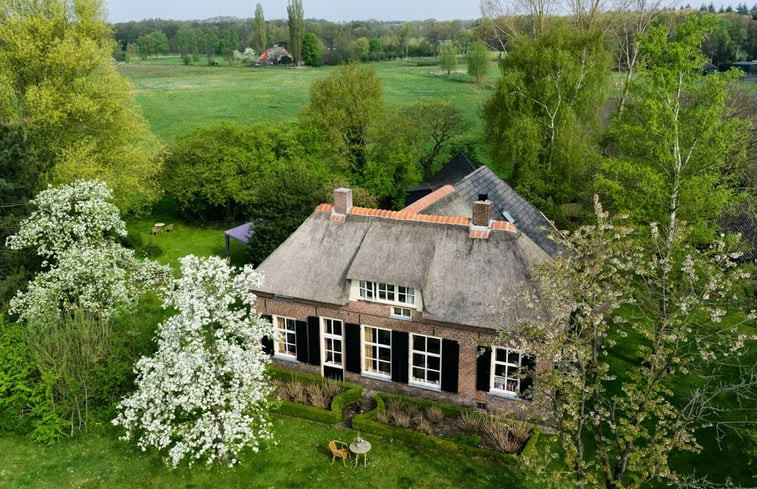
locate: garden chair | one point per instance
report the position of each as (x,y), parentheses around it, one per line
(169,228)
(339,449)
(156,230)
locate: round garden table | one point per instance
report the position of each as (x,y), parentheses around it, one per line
(360,447)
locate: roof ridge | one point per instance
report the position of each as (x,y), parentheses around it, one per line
(429,199)
(404,215)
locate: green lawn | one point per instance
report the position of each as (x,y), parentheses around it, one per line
(176,98)
(300,459)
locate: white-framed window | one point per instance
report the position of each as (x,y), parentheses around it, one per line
(387,293)
(377,352)
(333,351)
(426,361)
(506,370)
(402,312)
(284,337)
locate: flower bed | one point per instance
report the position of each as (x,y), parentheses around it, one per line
(312,397)
(450,428)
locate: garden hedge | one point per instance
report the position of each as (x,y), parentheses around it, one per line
(367,423)
(351,393)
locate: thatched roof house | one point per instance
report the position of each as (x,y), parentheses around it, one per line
(403,296)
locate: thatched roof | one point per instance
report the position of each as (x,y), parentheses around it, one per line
(462,280)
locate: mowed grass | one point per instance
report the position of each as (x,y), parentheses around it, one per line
(188,237)
(176,98)
(300,459)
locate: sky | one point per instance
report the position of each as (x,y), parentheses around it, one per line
(333,10)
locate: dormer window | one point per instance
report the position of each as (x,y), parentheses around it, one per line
(387,293)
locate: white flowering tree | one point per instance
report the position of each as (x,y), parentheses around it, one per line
(203,395)
(87,278)
(74,228)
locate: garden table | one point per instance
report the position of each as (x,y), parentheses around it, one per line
(359,447)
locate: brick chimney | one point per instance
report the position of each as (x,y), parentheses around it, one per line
(482,213)
(342,201)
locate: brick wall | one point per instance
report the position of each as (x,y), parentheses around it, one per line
(373,314)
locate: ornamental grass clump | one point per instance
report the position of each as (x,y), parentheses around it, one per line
(434,414)
(203,396)
(471,422)
(318,396)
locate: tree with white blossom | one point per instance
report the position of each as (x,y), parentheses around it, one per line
(87,278)
(203,395)
(75,228)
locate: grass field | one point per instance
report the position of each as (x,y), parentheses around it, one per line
(301,459)
(176,98)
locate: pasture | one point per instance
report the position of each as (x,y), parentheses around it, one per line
(176,98)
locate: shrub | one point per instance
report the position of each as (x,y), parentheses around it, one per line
(318,396)
(471,422)
(423,425)
(434,414)
(504,437)
(151,250)
(132,241)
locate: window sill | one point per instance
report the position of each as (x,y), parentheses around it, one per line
(286,358)
(375,376)
(428,387)
(505,395)
(403,318)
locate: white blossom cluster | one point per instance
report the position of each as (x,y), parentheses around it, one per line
(203,395)
(248,56)
(74,227)
(81,213)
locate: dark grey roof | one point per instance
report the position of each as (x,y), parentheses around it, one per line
(455,169)
(461,280)
(527,218)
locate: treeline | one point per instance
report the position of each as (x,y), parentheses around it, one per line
(734,37)
(336,42)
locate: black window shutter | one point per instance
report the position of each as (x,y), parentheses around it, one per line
(352,346)
(528,366)
(314,340)
(450,364)
(399,356)
(267,340)
(301,340)
(483,368)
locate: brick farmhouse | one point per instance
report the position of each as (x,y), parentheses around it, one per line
(407,301)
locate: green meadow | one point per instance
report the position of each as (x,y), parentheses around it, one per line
(176,98)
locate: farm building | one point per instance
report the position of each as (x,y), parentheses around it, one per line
(405,301)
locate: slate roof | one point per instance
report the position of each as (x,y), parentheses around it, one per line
(527,218)
(461,280)
(455,169)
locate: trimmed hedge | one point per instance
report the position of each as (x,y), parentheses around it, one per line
(351,393)
(367,423)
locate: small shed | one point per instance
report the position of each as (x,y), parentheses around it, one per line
(241,233)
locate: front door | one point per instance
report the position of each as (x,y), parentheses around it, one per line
(333,348)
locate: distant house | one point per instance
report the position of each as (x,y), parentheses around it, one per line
(408,301)
(275,56)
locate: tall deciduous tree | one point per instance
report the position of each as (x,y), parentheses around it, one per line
(311,50)
(437,124)
(260,41)
(343,106)
(203,394)
(57,78)
(639,353)
(296,29)
(539,119)
(448,58)
(679,148)
(478,61)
